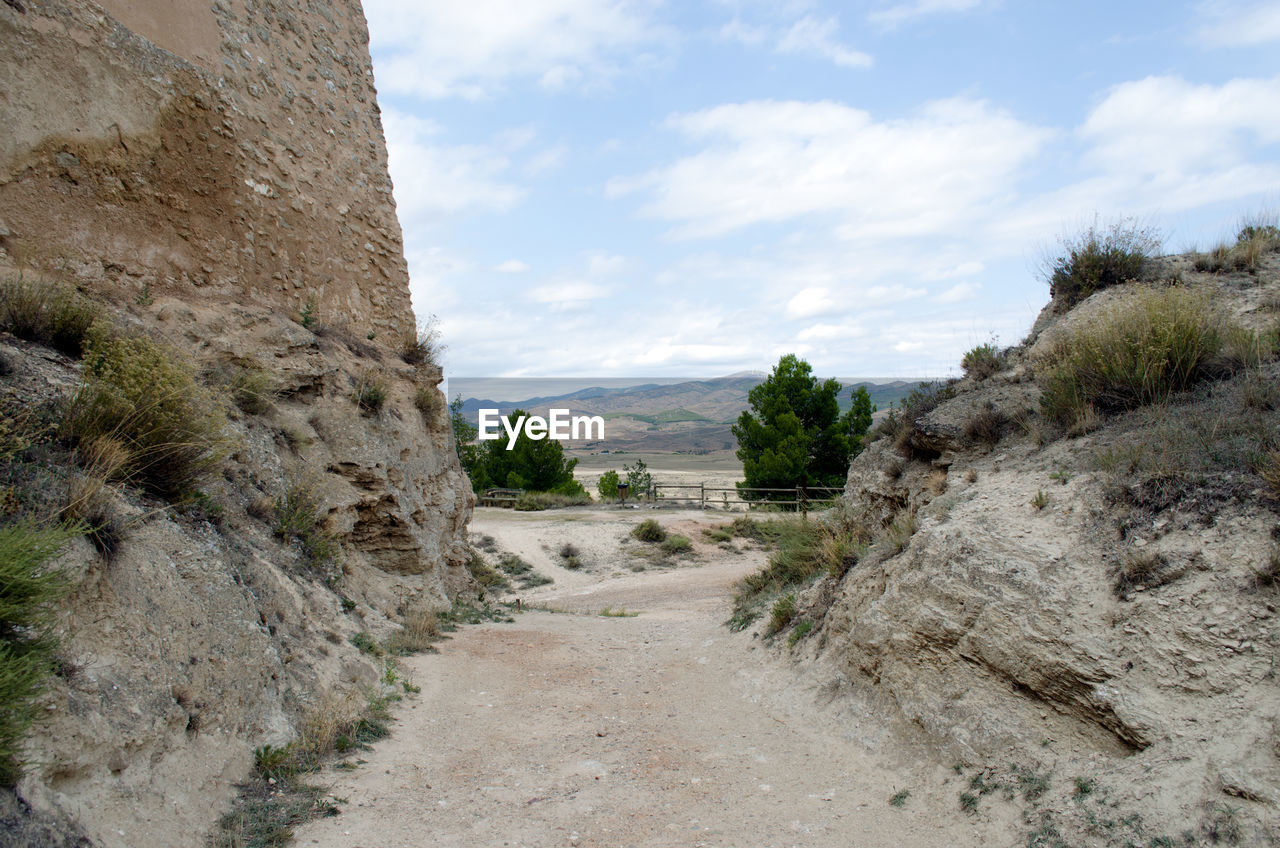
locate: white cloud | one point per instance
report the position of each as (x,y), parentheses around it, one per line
(1165,125)
(830,332)
(791,35)
(435,181)
(774,161)
(959,293)
(810,35)
(1234,24)
(901,13)
(568,293)
(511,266)
(473,49)
(810,302)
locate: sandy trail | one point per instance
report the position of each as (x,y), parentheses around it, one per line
(664,729)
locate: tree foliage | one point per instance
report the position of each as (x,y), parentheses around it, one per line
(537,465)
(794,433)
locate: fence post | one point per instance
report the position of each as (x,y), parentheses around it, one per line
(702,495)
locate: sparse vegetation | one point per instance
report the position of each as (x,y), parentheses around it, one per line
(251,390)
(298,519)
(428,401)
(982,361)
(309,316)
(806,549)
(522,572)
(649,530)
(279,799)
(371,393)
(423,346)
(45,312)
(1152,344)
(1040,500)
(1098,258)
(675,545)
(29,593)
(419,629)
(1256,238)
(1137,568)
(366,644)
(899,798)
(986,426)
(538,501)
(781,613)
(146,398)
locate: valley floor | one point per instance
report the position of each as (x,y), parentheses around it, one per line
(568,728)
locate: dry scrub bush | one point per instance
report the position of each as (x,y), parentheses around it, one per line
(982,362)
(1099,258)
(40,311)
(142,396)
(419,630)
(1256,238)
(1152,344)
(423,346)
(298,519)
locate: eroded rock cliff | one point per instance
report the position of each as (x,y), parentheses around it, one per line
(1098,609)
(213,176)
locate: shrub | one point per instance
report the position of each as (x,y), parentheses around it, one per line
(423,346)
(538,501)
(1149,346)
(309,316)
(1137,569)
(899,533)
(371,393)
(429,402)
(485,574)
(44,312)
(29,593)
(607,485)
(251,391)
(420,628)
(981,362)
(298,519)
(1256,238)
(649,530)
(1099,258)
(677,544)
(144,397)
(568,551)
(783,610)
(366,644)
(986,426)
(1040,500)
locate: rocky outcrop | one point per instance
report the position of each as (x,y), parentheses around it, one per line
(1003,628)
(210,174)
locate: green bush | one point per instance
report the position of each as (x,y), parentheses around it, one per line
(1099,258)
(784,609)
(538,501)
(40,311)
(145,397)
(29,593)
(982,362)
(607,486)
(1152,344)
(649,530)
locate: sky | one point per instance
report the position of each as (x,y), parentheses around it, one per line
(645,188)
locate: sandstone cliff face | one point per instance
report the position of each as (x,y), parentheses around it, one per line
(999,629)
(202,171)
(225,150)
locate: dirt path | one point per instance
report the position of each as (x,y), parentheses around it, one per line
(663,729)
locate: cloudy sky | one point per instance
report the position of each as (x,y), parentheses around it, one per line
(695,187)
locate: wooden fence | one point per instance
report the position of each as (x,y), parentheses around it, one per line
(731,497)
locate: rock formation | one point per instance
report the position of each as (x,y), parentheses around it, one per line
(213,175)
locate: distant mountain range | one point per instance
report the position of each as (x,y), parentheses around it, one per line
(692,416)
